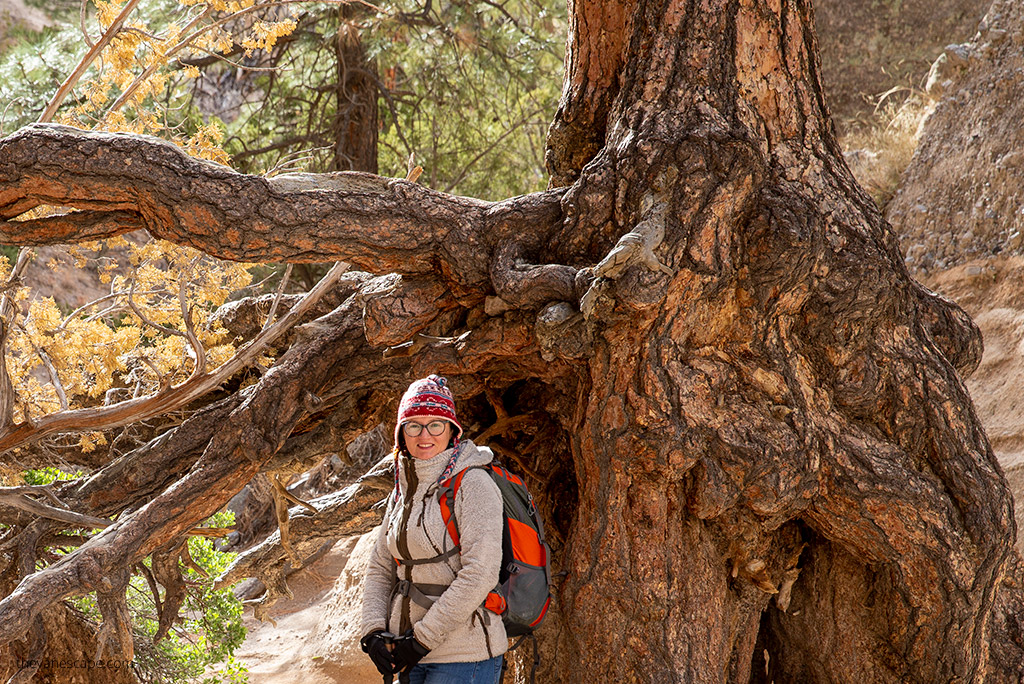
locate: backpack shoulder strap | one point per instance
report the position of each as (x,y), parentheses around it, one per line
(446,498)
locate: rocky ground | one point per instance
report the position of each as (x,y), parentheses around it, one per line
(16,14)
(960,197)
(989,290)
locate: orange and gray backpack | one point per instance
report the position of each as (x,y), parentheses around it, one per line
(523,592)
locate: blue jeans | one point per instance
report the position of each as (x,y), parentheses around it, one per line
(484,672)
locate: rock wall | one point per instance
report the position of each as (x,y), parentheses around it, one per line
(16,14)
(989,290)
(334,643)
(961,196)
(870,46)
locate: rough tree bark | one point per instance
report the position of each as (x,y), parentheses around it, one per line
(706,353)
(354,126)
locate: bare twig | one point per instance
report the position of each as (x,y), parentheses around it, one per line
(82,14)
(21,499)
(51,370)
(186,558)
(164,381)
(25,503)
(138,312)
(236,65)
(487,150)
(190,331)
(103,312)
(8,313)
(277,296)
(141,569)
(211,532)
(150,70)
(46,490)
(8,303)
(71,316)
(86,62)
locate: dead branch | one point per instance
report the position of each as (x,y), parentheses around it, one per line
(277,295)
(190,329)
(17,497)
(186,558)
(7,314)
(281,514)
(87,60)
(246,317)
(114,639)
(168,573)
(351,511)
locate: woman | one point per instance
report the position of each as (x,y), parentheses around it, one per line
(419,586)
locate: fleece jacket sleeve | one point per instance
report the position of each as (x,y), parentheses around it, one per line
(478,510)
(377,582)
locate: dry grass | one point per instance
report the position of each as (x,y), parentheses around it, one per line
(879,151)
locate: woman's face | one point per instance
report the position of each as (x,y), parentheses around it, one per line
(425,444)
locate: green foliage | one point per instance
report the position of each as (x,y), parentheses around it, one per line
(200,646)
(211,626)
(44,476)
(467,88)
(474,92)
(29,71)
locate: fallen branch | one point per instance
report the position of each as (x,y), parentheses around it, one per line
(351,511)
(377,224)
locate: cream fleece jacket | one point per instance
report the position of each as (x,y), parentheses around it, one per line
(456,628)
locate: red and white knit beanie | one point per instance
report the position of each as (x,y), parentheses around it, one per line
(428,396)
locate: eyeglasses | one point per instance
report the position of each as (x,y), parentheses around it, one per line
(434,427)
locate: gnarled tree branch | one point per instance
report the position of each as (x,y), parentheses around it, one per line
(378,224)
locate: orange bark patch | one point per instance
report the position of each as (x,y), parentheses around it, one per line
(198,221)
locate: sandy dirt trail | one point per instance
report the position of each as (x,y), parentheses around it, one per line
(315,640)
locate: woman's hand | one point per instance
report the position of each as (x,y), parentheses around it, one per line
(376,646)
(408,651)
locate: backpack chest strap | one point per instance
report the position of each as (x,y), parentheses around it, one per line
(424,561)
(421,594)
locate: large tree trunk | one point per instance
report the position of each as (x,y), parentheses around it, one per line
(741,416)
(785,400)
